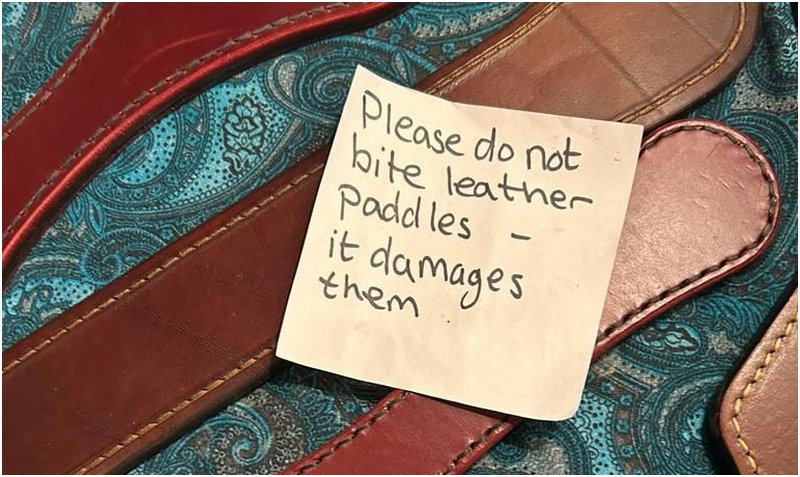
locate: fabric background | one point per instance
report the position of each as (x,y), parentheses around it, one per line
(645,404)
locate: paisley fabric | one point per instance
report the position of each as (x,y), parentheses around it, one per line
(645,404)
(37,38)
(203,157)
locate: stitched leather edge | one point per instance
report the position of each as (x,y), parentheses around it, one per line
(746,449)
(177,75)
(440,87)
(161,268)
(48,91)
(666,131)
(134,436)
(375,416)
(451,467)
(737,35)
(762,236)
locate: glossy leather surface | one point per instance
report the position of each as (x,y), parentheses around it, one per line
(636,62)
(136,61)
(232,278)
(680,235)
(169,359)
(758,416)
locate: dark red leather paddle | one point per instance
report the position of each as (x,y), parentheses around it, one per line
(182,362)
(137,60)
(680,236)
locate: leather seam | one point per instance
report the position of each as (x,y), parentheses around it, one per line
(177,75)
(132,437)
(218,232)
(351,436)
(48,92)
(707,71)
(672,290)
(451,467)
(440,86)
(726,261)
(747,389)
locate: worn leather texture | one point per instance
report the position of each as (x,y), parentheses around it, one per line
(137,440)
(682,183)
(144,321)
(757,419)
(642,407)
(646,62)
(185,47)
(618,53)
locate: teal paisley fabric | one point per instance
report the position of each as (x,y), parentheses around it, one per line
(645,404)
(198,160)
(37,38)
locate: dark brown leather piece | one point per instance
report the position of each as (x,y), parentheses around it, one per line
(133,384)
(137,60)
(758,415)
(182,357)
(134,365)
(680,235)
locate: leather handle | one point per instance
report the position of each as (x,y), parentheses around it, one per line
(178,362)
(680,236)
(187,47)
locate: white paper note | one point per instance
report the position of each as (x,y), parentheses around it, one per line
(459,251)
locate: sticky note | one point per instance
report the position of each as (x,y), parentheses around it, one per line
(459,251)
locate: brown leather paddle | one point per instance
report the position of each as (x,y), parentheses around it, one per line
(680,236)
(193,327)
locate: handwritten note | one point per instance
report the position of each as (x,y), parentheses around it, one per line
(459,251)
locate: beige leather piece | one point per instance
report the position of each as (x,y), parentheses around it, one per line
(758,414)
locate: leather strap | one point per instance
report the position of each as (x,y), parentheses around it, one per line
(136,364)
(117,80)
(680,236)
(178,361)
(758,416)
(626,85)
(158,376)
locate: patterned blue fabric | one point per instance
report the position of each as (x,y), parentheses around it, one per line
(202,158)
(645,403)
(37,38)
